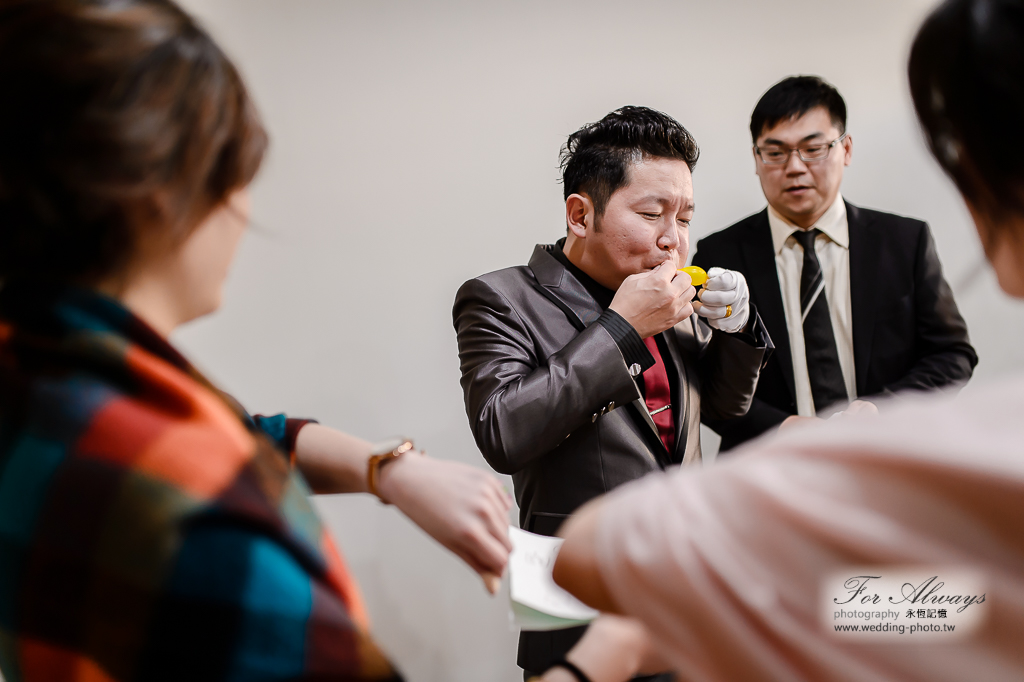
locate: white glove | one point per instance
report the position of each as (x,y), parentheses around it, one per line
(725,288)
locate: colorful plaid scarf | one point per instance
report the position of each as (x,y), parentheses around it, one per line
(149,528)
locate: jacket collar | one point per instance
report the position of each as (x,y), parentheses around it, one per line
(559,282)
(758,254)
(833,224)
(575,300)
(865,247)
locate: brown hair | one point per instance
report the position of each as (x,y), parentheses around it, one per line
(123,122)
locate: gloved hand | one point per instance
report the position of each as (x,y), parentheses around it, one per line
(724,288)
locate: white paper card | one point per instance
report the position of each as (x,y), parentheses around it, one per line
(537,602)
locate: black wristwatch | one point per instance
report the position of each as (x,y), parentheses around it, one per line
(572,668)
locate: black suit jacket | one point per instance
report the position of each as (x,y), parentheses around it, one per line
(907,331)
(551,401)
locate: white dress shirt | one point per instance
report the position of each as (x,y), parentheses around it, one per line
(832,247)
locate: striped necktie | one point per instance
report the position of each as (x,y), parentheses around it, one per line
(827,384)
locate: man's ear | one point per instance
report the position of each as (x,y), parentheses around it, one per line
(848,149)
(579,215)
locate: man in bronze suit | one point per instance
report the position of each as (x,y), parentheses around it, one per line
(586,368)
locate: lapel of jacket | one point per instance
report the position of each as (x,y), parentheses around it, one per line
(561,288)
(572,297)
(765,292)
(865,245)
(686,341)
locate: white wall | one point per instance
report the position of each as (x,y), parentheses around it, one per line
(415,144)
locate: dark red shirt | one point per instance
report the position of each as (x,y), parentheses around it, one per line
(658,396)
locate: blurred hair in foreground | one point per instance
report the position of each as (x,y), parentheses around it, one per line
(125,125)
(967,80)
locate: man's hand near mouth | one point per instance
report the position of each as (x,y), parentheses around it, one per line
(655,300)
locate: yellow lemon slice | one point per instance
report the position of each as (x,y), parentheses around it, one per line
(697,275)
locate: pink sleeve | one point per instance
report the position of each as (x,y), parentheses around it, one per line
(682,553)
(724,564)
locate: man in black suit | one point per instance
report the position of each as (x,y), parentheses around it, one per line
(854,299)
(587,368)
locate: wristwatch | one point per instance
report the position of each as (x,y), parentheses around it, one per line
(381,454)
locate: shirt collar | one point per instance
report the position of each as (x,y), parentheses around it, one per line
(603,295)
(832,223)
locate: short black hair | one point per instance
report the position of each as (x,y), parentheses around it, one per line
(596,158)
(966,74)
(792,98)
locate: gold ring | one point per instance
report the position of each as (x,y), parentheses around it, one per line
(728,310)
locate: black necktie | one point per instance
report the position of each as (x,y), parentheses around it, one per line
(827,384)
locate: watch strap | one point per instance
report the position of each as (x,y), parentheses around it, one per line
(377,461)
(572,668)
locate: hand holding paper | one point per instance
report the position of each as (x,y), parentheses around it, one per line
(537,602)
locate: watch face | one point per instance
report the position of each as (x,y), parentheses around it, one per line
(387,446)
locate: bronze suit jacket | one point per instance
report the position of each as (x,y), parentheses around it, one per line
(551,401)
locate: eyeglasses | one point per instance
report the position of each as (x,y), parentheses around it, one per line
(776,156)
